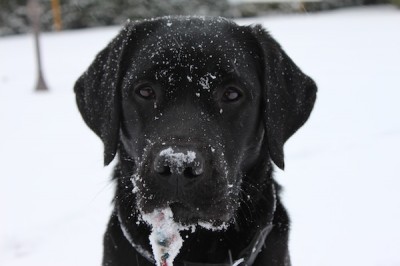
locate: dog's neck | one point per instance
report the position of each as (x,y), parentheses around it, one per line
(247,255)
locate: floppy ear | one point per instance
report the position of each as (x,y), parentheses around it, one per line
(288,96)
(98,96)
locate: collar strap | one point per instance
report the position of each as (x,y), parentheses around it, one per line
(139,249)
(247,256)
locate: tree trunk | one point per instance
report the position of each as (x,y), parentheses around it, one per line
(34,11)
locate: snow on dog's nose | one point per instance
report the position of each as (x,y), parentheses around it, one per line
(187,163)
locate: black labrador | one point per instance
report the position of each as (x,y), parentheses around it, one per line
(196,110)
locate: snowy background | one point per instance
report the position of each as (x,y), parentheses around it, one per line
(342,177)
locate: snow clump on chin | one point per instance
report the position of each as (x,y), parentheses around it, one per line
(165,239)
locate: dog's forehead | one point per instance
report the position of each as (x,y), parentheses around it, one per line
(192,48)
(190,32)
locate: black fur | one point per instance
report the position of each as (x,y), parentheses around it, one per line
(229,94)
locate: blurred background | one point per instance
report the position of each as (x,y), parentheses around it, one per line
(341,180)
(76,14)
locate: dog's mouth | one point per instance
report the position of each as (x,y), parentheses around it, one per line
(204,197)
(209,206)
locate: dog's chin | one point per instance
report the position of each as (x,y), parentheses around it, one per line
(209,220)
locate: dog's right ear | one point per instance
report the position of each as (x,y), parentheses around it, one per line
(98,94)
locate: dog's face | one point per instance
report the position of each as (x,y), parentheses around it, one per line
(193,105)
(191,119)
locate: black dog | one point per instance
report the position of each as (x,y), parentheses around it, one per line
(197,109)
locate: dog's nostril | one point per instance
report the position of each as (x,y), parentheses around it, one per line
(164,170)
(191,172)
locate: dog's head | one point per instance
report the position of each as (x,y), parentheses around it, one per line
(193,105)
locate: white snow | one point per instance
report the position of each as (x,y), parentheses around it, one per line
(164,238)
(204,83)
(342,168)
(209,226)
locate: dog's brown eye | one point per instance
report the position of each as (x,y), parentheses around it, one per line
(231,94)
(146,92)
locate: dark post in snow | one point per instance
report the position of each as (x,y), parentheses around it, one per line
(34,11)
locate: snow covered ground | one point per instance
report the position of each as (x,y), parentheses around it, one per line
(342,177)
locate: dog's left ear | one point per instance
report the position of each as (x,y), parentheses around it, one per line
(98,96)
(288,95)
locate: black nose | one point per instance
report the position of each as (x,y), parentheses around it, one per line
(179,161)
